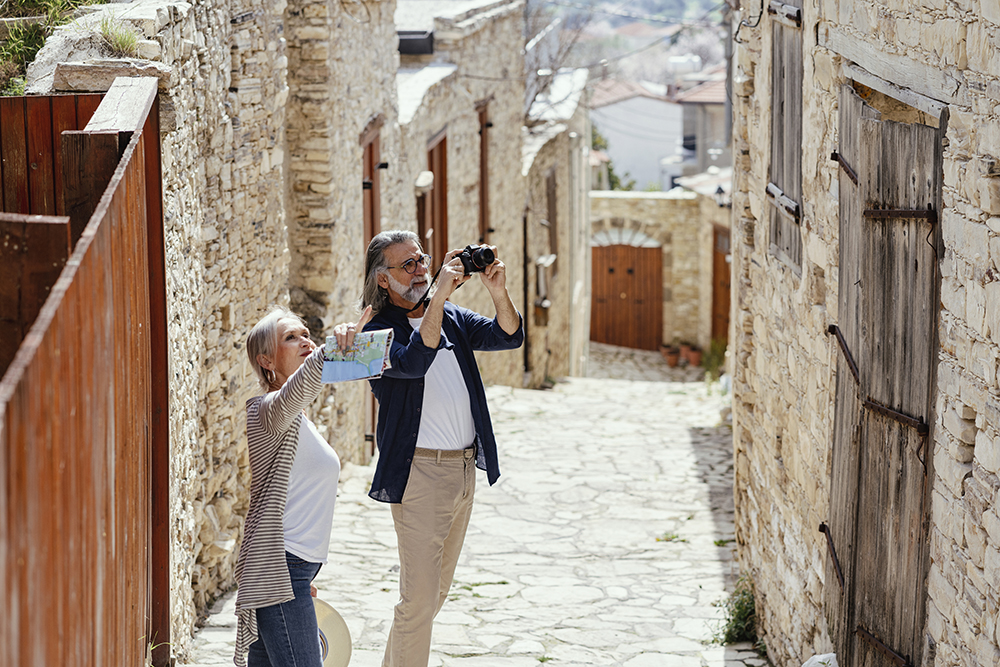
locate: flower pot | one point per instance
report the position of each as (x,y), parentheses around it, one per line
(694,357)
(672,355)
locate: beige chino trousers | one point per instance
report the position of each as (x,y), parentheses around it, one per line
(430,529)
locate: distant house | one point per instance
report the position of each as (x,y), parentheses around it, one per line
(641,125)
(706,130)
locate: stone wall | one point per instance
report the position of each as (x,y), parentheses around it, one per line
(556,336)
(342,70)
(783,363)
(671,219)
(488,54)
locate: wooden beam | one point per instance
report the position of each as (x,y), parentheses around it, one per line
(906,96)
(125,106)
(902,71)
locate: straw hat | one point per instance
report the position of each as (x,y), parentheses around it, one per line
(334,637)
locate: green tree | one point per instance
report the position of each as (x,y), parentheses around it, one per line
(600,143)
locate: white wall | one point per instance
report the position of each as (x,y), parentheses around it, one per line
(640,132)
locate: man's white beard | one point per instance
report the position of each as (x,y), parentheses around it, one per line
(411,294)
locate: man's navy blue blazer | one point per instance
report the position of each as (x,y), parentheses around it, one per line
(400,390)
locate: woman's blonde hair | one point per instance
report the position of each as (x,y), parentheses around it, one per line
(263,339)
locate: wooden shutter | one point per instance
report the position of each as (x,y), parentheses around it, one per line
(371,187)
(889,283)
(435,237)
(785,188)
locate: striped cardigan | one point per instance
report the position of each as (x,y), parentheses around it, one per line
(273,422)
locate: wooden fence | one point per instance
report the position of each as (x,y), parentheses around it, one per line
(83,436)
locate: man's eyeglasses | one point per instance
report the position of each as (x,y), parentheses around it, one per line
(410,265)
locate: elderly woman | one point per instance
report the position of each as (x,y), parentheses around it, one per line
(293,487)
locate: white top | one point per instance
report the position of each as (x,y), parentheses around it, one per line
(446,413)
(312,492)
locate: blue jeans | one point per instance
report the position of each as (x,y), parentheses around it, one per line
(287,633)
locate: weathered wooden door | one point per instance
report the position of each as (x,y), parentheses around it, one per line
(721,278)
(889,283)
(628,296)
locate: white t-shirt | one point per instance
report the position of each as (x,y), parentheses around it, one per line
(446,413)
(312,492)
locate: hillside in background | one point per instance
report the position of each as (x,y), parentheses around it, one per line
(648,40)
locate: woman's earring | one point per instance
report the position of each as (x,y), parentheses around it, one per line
(269,375)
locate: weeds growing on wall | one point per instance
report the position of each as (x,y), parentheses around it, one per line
(740,622)
(120,39)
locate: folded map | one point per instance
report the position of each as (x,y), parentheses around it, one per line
(367,357)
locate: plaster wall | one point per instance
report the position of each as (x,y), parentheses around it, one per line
(640,132)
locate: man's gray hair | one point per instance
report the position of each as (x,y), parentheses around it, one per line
(375,263)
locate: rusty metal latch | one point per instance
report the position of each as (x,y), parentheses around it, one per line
(835,330)
(919,425)
(882,648)
(825,529)
(887,213)
(851,174)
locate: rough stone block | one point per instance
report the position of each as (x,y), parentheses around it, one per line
(942,593)
(975,540)
(989,195)
(990,11)
(962,429)
(988,452)
(951,472)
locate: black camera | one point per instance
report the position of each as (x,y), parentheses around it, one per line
(475,260)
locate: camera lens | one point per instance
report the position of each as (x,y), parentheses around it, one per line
(483,257)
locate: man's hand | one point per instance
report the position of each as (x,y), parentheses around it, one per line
(451,276)
(494,276)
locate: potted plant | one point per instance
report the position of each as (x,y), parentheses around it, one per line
(694,356)
(671,353)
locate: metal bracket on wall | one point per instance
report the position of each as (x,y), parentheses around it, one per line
(882,648)
(887,213)
(825,529)
(851,174)
(919,425)
(834,330)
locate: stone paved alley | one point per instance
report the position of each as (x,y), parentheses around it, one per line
(606,541)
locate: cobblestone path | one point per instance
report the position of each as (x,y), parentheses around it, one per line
(606,541)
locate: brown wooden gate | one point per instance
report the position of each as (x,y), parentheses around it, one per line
(627,305)
(721,279)
(83,406)
(889,282)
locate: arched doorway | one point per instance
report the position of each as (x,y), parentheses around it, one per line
(627,289)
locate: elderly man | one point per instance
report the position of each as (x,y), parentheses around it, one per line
(433,424)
